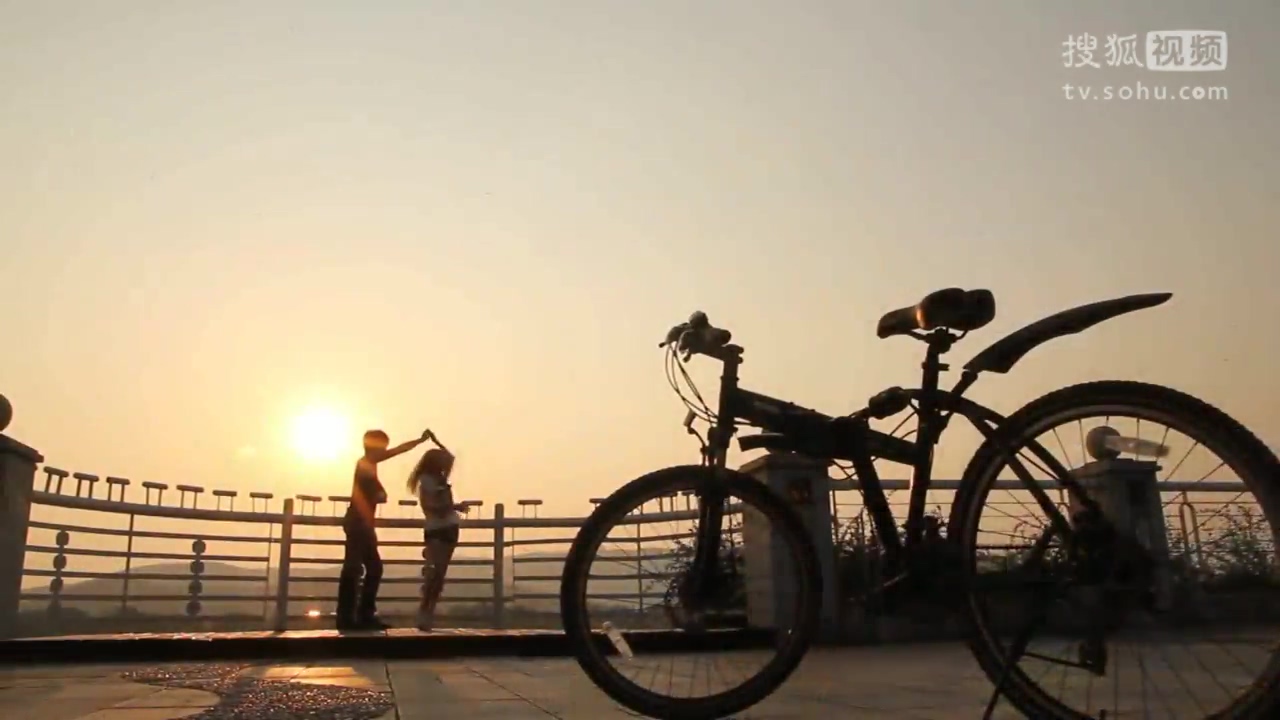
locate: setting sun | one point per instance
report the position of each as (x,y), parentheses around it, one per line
(320,435)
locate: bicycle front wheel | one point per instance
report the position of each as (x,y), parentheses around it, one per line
(1163,602)
(622,612)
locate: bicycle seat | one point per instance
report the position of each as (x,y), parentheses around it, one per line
(951,308)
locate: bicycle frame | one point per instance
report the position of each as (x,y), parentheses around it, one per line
(823,436)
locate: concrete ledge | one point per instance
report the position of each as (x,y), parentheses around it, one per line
(784,461)
(329,644)
(9,446)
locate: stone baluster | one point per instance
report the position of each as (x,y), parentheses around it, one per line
(194,490)
(312,499)
(158,487)
(114,483)
(81,479)
(195,587)
(62,539)
(667,501)
(265,497)
(335,500)
(230,495)
(53,477)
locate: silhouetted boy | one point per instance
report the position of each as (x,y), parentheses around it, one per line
(361,550)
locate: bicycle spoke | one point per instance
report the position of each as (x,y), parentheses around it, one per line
(1124,582)
(1017,648)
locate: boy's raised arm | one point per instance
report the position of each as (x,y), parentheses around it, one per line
(404,447)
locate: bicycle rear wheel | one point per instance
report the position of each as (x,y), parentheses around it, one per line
(623,573)
(1139,617)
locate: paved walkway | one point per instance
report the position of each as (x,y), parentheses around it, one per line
(910,683)
(918,682)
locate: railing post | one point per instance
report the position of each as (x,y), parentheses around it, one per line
(17,482)
(266,580)
(128,567)
(499,563)
(640,562)
(282,569)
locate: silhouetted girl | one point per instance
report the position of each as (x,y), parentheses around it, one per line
(430,482)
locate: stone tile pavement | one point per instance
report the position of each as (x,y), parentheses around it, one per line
(908,683)
(91,692)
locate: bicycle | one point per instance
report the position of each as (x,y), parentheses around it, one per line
(1090,552)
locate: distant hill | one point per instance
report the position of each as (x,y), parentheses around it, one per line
(221,582)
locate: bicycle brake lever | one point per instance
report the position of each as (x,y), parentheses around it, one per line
(674,334)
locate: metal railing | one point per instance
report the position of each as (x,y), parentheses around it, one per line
(1212,527)
(103,561)
(108,563)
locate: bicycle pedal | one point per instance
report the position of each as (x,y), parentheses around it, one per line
(1092,656)
(890,597)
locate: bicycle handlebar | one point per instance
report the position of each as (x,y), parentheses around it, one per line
(697,336)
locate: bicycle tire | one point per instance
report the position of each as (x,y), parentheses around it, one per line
(1213,428)
(578,565)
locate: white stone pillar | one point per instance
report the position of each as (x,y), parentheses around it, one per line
(770,581)
(1129,495)
(17,481)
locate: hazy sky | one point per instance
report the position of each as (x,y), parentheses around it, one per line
(482,216)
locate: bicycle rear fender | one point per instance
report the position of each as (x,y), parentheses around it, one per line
(1003,354)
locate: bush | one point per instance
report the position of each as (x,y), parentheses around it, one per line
(730,571)
(1237,555)
(859,562)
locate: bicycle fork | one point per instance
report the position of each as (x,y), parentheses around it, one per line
(699,585)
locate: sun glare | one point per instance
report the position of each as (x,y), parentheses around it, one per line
(320,435)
